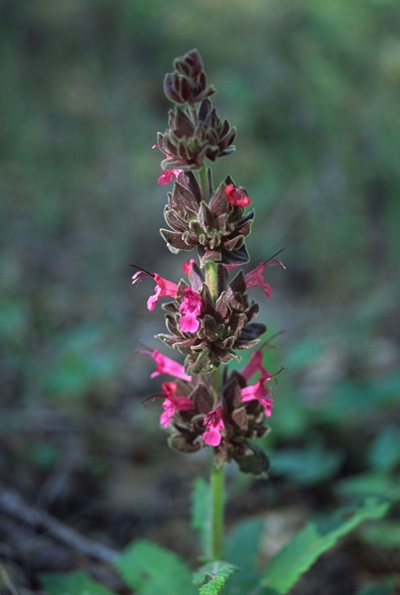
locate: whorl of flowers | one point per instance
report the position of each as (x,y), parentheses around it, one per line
(208,323)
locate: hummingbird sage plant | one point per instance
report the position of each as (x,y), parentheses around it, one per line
(206,404)
(209,315)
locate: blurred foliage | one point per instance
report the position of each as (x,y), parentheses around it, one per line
(313,90)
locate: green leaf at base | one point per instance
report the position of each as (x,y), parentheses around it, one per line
(153,570)
(313,540)
(242,550)
(371,483)
(382,534)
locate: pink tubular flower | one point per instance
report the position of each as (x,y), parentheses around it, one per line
(237,195)
(259,392)
(173,403)
(214,424)
(164,288)
(169,388)
(255,277)
(190,308)
(166,365)
(167,176)
(187,266)
(255,365)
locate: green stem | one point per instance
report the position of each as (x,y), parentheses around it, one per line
(217,473)
(204,182)
(212,279)
(217,512)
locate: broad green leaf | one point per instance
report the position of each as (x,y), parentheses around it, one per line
(153,570)
(216,573)
(385,450)
(242,545)
(383,534)
(313,540)
(72,583)
(369,484)
(201,501)
(242,550)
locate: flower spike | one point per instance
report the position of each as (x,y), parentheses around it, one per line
(209,317)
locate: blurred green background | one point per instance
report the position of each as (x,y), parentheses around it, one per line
(313,88)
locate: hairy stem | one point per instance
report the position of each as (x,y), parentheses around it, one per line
(212,279)
(204,182)
(217,511)
(217,489)
(217,473)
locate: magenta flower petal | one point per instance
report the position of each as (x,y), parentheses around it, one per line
(254,391)
(167,176)
(187,266)
(153,299)
(190,308)
(189,323)
(254,365)
(255,279)
(164,288)
(167,288)
(212,437)
(267,403)
(166,416)
(169,388)
(258,391)
(214,424)
(173,403)
(237,195)
(166,365)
